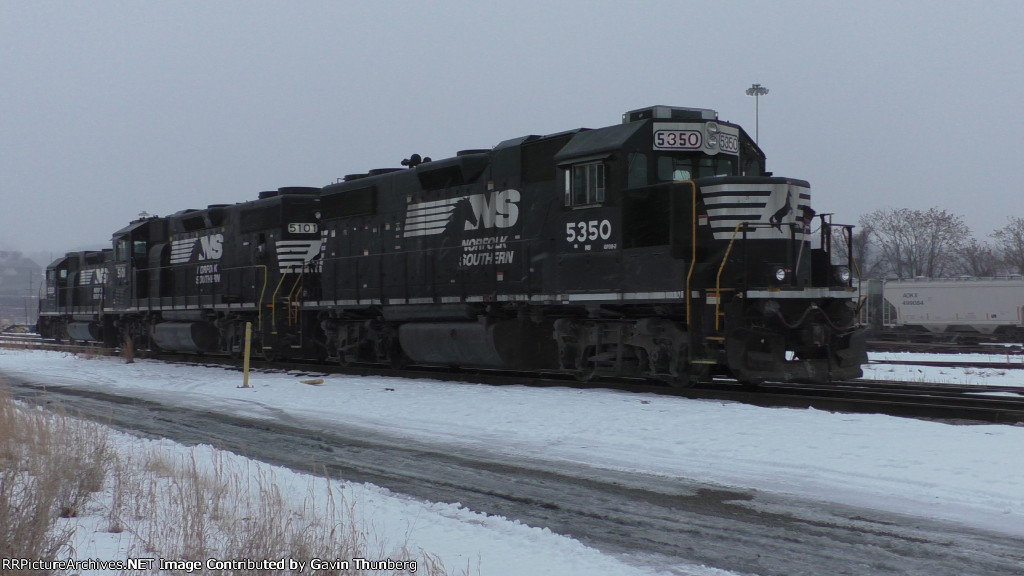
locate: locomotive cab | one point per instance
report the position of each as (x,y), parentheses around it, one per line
(54,309)
(132,264)
(130,279)
(280,234)
(71,306)
(673,210)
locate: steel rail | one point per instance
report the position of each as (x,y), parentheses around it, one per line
(926,400)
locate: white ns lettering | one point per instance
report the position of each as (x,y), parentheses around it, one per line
(212,247)
(500,211)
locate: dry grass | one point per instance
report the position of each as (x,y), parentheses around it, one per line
(128,350)
(171,506)
(49,467)
(226,508)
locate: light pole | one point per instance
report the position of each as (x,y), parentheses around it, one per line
(756,91)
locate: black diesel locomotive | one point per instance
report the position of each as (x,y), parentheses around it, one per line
(189,282)
(658,248)
(72,305)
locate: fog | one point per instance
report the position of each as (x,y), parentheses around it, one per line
(110,109)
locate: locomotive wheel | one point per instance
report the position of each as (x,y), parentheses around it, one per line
(587,373)
(396,357)
(398,361)
(751,385)
(235,349)
(348,354)
(588,368)
(270,354)
(694,375)
(683,381)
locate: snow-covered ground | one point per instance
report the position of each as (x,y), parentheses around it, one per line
(968,474)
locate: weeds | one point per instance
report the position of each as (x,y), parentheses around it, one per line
(221,507)
(195,505)
(49,466)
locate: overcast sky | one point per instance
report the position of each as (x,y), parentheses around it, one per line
(109,109)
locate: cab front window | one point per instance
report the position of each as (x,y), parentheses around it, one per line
(676,168)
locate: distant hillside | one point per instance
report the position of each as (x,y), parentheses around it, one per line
(20,279)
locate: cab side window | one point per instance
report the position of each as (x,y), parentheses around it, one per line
(121,251)
(585,184)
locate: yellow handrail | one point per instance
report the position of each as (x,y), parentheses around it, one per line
(273,301)
(856,269)
(693,245)
(721,267)
(263,291)
(293,307)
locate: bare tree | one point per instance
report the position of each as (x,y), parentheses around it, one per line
(914,243)
(980,259)
(865,254)
(1011,240)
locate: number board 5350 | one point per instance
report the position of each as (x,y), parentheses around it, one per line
(586,232)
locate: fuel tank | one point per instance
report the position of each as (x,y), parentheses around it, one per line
(187,336)
(505,344)
(86,331)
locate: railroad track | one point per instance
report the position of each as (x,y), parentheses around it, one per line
(17,337)
(947,402)
(1010,348)
(36,342)
(1012,363)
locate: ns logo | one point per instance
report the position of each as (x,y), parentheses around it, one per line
(499,209)
(211,247)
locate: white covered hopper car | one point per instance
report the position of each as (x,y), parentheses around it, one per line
(989,306)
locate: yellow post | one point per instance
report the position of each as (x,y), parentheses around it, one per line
(245,361)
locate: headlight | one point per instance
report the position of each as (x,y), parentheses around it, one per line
(711,133)
(780,274)
(842,274)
